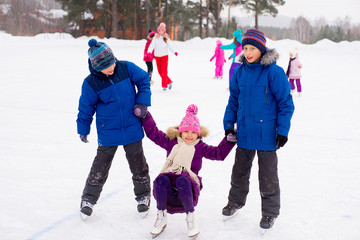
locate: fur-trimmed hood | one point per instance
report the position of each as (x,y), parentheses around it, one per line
(173,132)
(268,58)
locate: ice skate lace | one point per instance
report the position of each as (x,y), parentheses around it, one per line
(190,223)
(267,219)
(144,200)
(87,204)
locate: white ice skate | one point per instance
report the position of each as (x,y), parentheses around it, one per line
(160,223)
(192,224)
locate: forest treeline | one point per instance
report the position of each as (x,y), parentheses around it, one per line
(131,19)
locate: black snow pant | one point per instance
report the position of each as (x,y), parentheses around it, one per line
(100,170)
(268,180)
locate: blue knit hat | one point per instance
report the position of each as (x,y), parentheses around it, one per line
(100,55)
(237,35)
(256,38)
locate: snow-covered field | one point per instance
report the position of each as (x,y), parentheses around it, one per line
(43,163)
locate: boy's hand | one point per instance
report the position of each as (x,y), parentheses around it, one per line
(140,110)
(83,138)
(280,141)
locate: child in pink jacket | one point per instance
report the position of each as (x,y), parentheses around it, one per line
(149,57)
(294,70)
(220,60)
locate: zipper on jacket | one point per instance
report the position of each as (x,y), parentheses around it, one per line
(117,94)
(267,99)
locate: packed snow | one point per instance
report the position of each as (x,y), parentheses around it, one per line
(44,165)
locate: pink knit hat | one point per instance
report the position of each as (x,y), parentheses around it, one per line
(190,122)
(162,26)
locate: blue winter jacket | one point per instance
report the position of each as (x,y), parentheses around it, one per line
(113,99)
(260,103)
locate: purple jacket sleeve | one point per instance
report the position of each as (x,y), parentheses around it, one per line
(220,152)
(154,134)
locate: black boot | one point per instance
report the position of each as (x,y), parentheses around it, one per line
(144,205)
(267,222)
(230,209)
(86,209)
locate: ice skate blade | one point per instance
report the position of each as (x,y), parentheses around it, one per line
(83,216)
(193,237)
(226,218)
(144,214)
(155,235)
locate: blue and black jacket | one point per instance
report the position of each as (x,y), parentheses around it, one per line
(113,98)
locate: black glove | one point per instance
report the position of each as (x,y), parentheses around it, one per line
(140,110)
(280,141)
(83,138)
(230,135)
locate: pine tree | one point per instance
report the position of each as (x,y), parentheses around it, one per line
(261,7)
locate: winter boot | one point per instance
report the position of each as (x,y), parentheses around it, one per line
(192,224)
(143,205)
(267,222)
(230,211)
(160,223)
(86,209)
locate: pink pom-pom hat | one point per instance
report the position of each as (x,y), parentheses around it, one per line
(190,122)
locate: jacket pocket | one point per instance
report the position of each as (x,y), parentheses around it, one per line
(265,128)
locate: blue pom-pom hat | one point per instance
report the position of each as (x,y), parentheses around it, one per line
(256,38)
(100,55)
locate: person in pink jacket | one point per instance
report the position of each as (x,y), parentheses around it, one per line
(294,70)
(149,57)
(220,60)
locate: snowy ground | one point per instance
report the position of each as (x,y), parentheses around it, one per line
(43,164)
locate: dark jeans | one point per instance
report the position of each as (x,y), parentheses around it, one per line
(100,170)
(268,180)
(178,195)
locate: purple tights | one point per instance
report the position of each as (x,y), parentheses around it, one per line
(179,195)
(298,84)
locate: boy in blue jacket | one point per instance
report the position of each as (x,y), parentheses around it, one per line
(261,105)
(109,91)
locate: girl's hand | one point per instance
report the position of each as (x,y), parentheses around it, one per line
(140,110)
